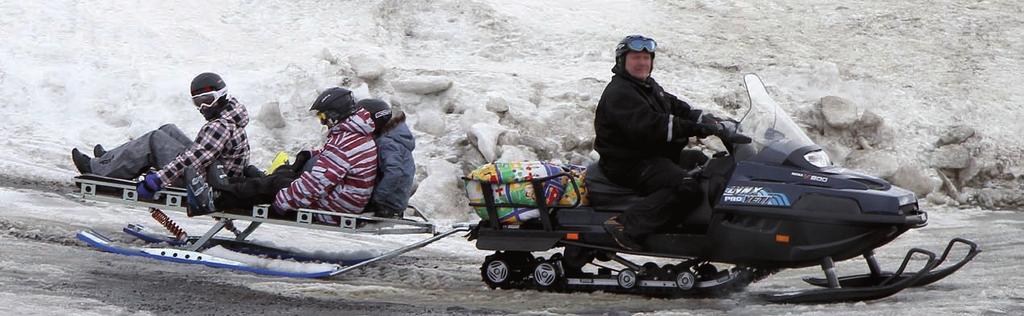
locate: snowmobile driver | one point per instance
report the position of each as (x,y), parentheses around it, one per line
(222,138)
(641,131)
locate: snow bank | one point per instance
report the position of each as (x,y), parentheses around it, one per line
(72,76)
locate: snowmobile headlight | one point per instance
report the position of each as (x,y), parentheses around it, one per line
(818,158)
(908,199)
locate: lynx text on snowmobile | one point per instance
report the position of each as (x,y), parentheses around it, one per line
(250,256)
(772,201)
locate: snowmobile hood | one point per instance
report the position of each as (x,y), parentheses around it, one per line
(359,123)
(400,134)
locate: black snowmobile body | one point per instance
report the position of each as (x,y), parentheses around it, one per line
(766,207)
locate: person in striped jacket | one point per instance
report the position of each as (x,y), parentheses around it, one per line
(343,175)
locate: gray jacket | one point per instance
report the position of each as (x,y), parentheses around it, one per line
(396,170)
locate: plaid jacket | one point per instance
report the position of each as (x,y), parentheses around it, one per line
(222,138)
(343,177)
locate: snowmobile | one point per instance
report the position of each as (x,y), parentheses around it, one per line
(251,256)
(773,201)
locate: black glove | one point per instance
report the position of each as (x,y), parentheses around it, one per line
(251,171)
(689,186)
(705,130)
(301,159)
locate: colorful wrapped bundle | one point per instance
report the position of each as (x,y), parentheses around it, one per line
(511,183)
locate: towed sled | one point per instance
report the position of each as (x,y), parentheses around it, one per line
(243,254)
(772,201)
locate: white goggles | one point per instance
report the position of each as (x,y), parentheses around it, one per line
(208,99)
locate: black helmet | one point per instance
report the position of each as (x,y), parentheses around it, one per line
(209,94)
(336,104)
(206,82)
(379,110)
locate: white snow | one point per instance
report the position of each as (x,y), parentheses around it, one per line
(270,264)
(76,73)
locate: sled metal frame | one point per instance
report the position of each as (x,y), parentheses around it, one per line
(119,191)
(175,199)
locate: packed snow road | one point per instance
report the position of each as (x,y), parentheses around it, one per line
(43,265)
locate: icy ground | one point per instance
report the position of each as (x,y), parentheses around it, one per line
(43,265)
(480,80)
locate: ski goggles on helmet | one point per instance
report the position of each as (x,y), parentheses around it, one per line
(639,43)
(208,99)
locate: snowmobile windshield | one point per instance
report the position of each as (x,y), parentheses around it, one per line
(766,123)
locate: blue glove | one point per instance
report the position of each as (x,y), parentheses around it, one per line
(148,186)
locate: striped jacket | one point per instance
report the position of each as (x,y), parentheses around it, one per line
(343,177)
(222,138)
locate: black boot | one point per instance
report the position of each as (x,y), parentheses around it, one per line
(388,213)
(614,228)
(82,161)
(98,151)
(216,177)
(200,195)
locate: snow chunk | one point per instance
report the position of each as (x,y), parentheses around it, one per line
(497,104)
(477,115)
(956,135)
(510,153)
(951,157)
(270,115)
(918,179)
(485,137)
(877,163)
(423,84)
(367,66)
(440,193)
(431,122)
(838,112)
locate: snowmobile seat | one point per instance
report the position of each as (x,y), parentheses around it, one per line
(610,197)
(605,195)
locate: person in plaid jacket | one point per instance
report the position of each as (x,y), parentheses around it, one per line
(222,138)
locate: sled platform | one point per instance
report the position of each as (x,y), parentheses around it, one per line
(120,191)
(181,247)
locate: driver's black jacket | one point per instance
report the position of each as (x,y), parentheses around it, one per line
(637,120)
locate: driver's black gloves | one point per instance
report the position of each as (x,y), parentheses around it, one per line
(705,130)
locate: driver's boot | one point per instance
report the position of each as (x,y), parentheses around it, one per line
(617,231)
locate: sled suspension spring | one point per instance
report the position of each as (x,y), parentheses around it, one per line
(168,224)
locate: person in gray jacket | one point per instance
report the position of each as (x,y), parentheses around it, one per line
(396,168)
